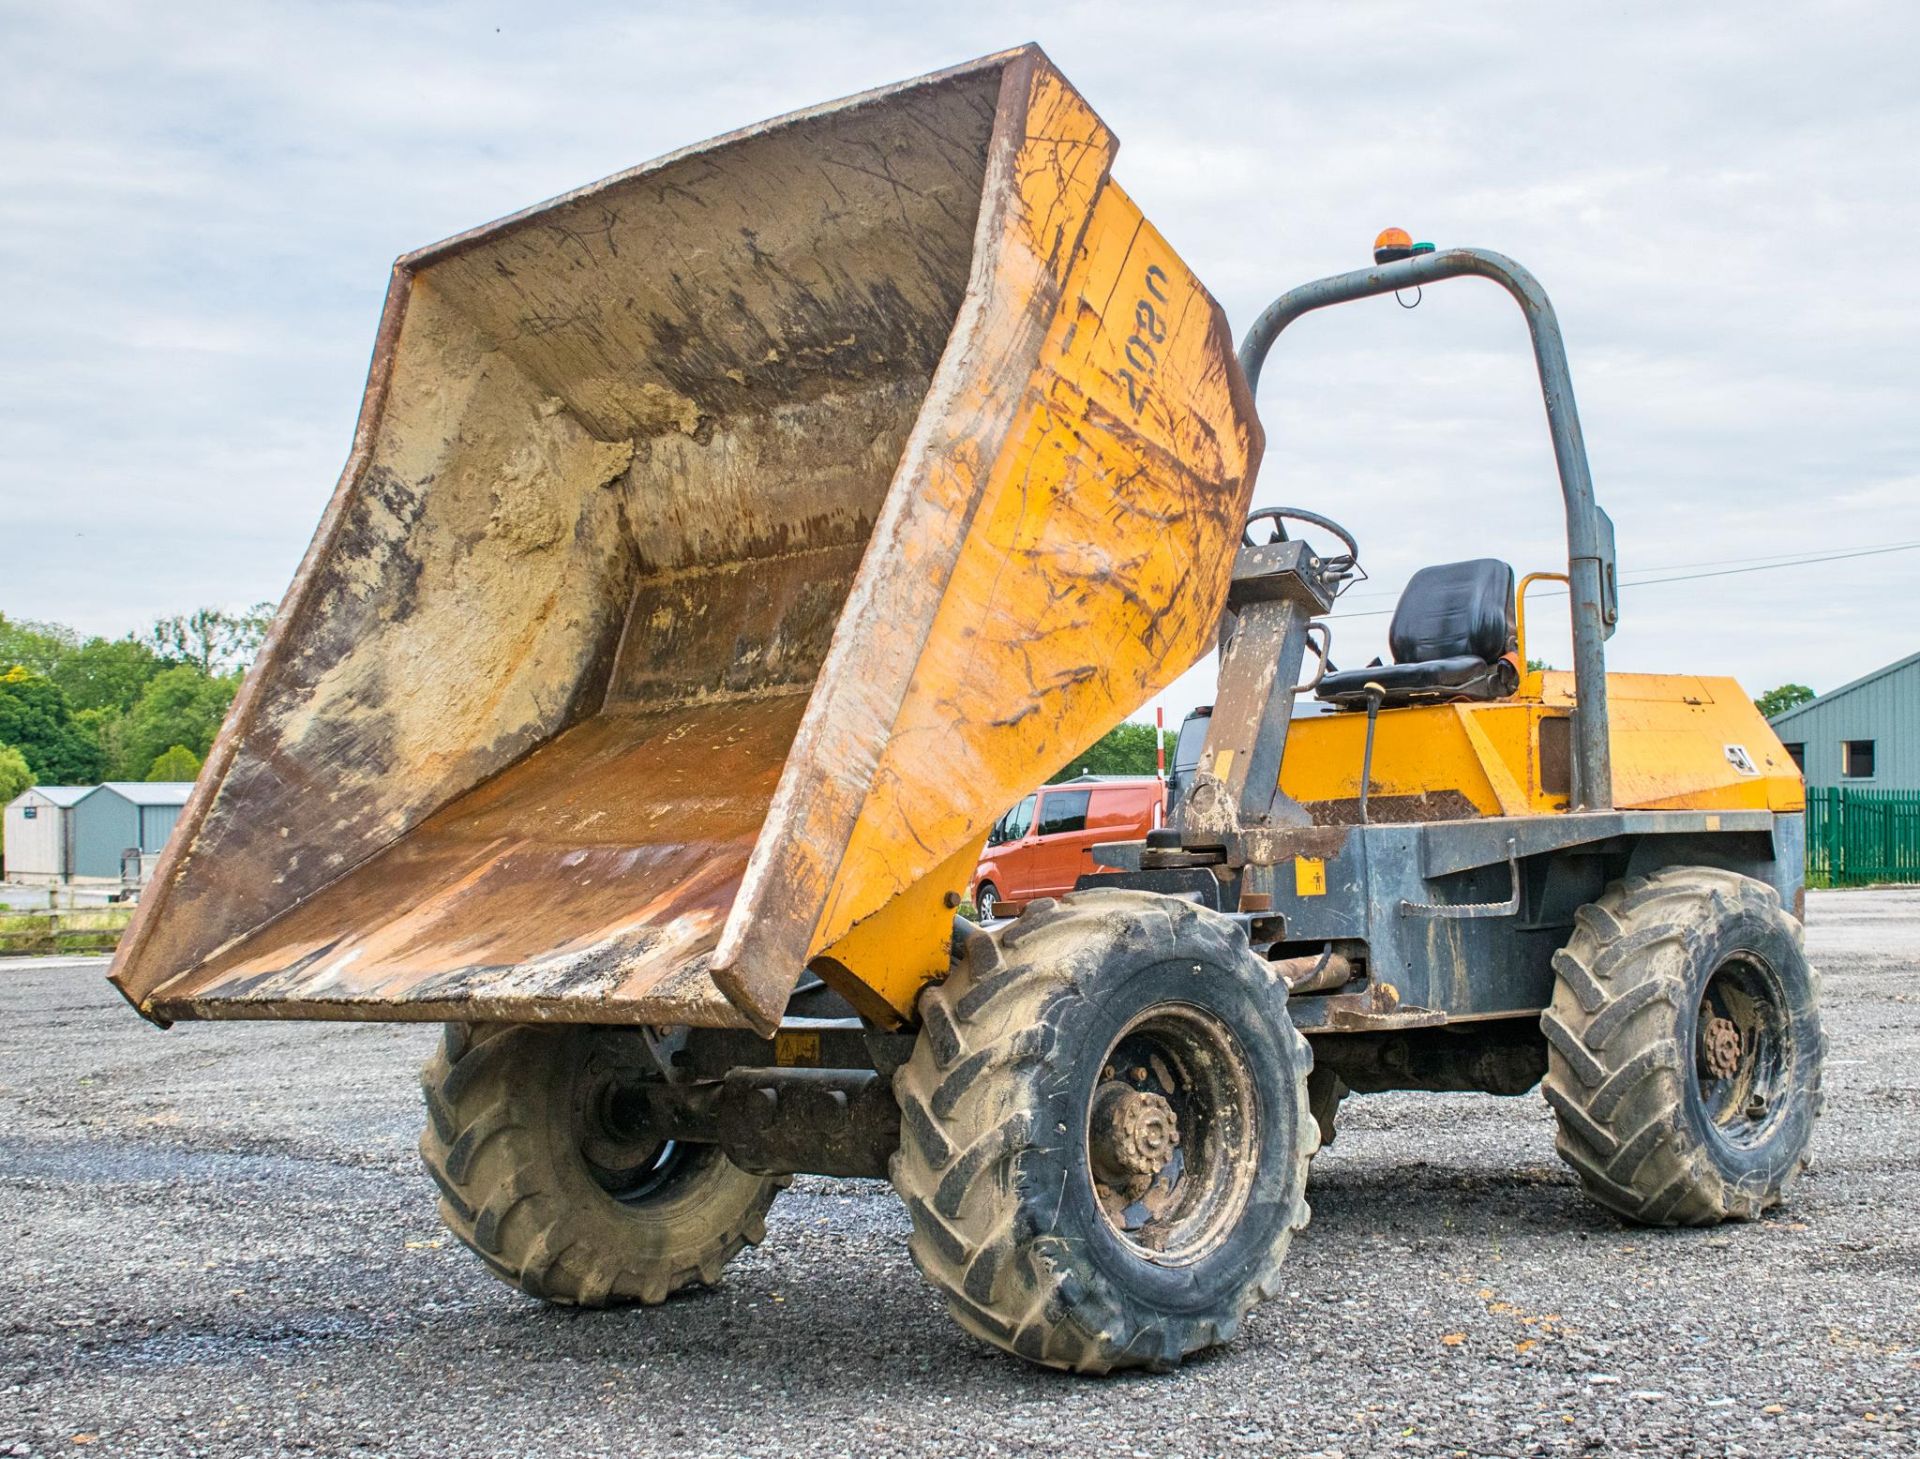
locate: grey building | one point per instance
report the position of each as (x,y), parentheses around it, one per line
(1863,736)
(39,834)
(122,816)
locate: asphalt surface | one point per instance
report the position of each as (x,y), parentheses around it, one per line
(218,1241)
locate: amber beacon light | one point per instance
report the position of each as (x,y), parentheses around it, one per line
(1392,245)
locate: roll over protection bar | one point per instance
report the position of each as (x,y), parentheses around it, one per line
(1590,555)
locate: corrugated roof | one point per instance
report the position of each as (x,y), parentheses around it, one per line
(1832,694)
(150,792)
(60,795)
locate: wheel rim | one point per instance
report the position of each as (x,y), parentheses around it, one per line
(1743,1050)
(1171,1133)
(625,1159)
(988,900)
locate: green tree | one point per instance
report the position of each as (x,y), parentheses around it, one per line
(36,720)
(248,632)
(1126,749)
(177,762)
(179,706)
(107,728)
(36,646)
(15,776)
(216,643)
(105,673)
(1780,700)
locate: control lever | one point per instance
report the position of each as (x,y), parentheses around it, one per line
(1375,694)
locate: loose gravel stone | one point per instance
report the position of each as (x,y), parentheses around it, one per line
(220,1243)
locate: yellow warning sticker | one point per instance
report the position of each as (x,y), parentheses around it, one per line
(1222,763)
(1309,876)
(797,1050)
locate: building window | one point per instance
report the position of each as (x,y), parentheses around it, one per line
(1796,752)
(1856,759)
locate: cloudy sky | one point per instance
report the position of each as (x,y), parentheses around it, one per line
(199,204)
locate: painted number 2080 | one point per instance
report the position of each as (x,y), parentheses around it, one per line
(1149,333)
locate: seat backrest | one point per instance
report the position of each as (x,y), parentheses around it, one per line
(1454,609)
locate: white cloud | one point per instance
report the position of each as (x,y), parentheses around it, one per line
(199,203)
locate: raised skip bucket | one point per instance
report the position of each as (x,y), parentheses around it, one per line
(723,546)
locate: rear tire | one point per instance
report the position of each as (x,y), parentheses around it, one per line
(549,1180)
(1105,1132)
(1685,1048)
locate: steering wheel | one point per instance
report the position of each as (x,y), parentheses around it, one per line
(1336,566)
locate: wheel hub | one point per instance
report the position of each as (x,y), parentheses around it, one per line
(626,1157)
(1743,1058)
(1721,1040)
(1133,1136)
(1171,1128)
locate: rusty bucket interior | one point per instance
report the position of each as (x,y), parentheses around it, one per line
(528,720)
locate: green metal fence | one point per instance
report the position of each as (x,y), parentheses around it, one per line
(1855,837)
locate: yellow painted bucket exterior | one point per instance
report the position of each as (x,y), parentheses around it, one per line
(723,547)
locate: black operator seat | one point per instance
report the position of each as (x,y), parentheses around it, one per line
(1452,637)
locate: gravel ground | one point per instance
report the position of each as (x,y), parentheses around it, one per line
(221,1243)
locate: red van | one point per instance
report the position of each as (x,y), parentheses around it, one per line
(1045,844)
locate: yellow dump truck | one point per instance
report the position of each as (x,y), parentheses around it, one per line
(724,545)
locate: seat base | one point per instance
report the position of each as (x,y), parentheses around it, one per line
(1429,681)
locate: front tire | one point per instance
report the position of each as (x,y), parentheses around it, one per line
(986,901)
(1685,1048)
(1105,1132)
(545,1174)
